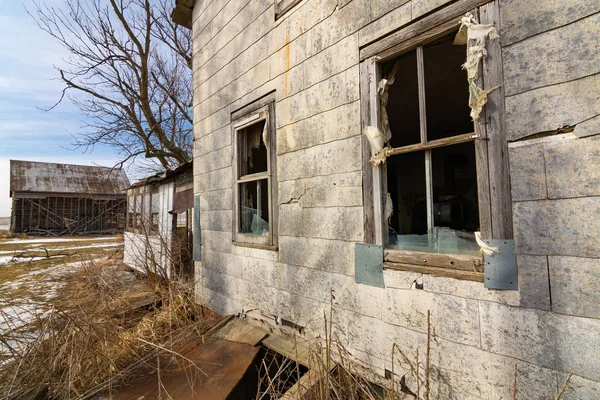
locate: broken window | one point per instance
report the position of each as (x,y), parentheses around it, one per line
(130,213)
(155,207)
(254,190)
(431,164)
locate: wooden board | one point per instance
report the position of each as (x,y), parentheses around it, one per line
(294,348)
(445,272)
(241,331)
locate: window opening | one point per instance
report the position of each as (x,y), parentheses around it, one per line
(431,166)
(254,143)
(155,208)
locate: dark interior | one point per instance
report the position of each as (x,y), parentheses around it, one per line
(453,167)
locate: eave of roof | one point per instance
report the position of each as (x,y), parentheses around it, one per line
(182,13)
(162,176)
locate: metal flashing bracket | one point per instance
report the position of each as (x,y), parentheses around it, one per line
(368,264)
(500,269)
(197,231)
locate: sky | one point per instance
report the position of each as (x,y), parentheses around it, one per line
(28,84)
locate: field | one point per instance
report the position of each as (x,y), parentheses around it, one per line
(34,272)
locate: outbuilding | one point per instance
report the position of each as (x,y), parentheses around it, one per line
(66,199)
(158,236)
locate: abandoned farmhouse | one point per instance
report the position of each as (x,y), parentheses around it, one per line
(418,165)
(158,235)
(59,199)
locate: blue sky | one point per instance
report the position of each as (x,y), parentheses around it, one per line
(28,83)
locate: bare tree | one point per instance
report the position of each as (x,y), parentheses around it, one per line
(129,73)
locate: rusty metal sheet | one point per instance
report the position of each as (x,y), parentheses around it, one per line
(41,177)
(219,366)
(183,201)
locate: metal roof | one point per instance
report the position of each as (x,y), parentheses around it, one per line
(41,177)
(162,176)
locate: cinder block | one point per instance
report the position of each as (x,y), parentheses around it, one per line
(552,107)
(214,180)
(466,372)
(337,223)
(338,90)
(339,123)
(337,157)
(573,167)
(386,22)
(540,16)
(332,60)
(533,285)
(338,190)
(534,291)
(527,172)
(216,159)
(452,318)
(327,255)
(421,7)
(215,200)
(216,220)
(567,227)
(216,240)
(551,340)
(578,388)
(575,284)
(569,52)
(222,263)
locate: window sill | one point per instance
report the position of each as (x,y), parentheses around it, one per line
(446,265)
(256,246)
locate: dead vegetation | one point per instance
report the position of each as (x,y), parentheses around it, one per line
(102,333)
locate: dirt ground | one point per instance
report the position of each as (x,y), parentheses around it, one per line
(35,271)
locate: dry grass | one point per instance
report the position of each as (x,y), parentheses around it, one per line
(92,341)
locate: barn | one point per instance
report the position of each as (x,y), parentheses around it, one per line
(424,173)
(66,199)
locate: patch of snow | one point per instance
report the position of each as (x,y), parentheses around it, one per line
(5,260)
(66,239)
(88,247)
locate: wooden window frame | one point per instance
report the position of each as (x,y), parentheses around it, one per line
(153,224)
(263,110)
(283,6)
(491,148)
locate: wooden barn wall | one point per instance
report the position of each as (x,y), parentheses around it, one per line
(310,58)
(60,215)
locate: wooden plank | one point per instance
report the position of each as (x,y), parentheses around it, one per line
(423,133)
(241,331)
(450,13)
(292,347)
(466,137)
(422,39)
(367,168)
(305,388)
(444,272)
(500,198)
(274,223)
(374,120)
(481,161)
(454,261)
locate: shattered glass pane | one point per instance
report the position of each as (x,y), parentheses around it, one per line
(442,240)
(254,208)
(252,148)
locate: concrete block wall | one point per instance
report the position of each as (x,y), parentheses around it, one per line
(310,58)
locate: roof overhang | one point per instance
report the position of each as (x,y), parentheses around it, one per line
(182,13)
